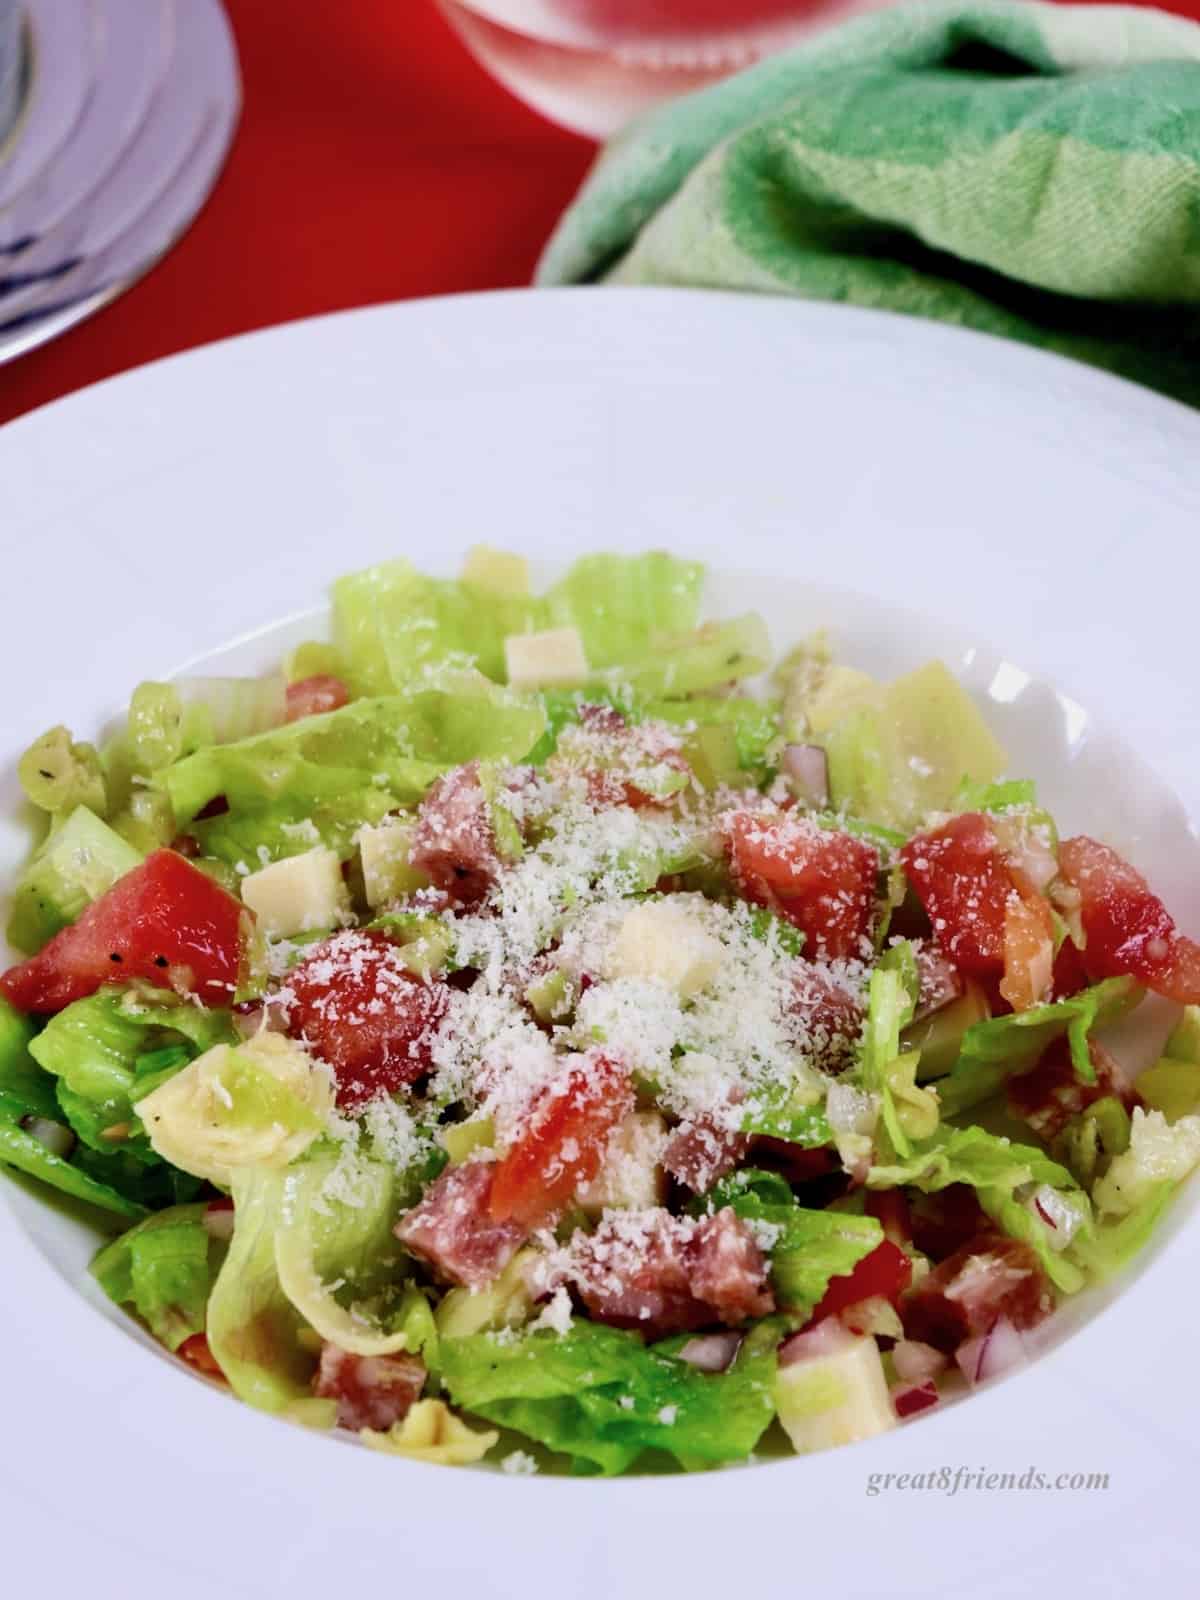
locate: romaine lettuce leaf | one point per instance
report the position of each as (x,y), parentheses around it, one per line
(1109,1245)
(601,1396)
(256,1335)
(891,1001)
(399,744)
(624,605)
(21,1079)
(164,1268)
(323,1239)
(20,1150)
(899,751)
(254,838)
(995,1168)
(391,623)
(810,1247)
(995,1050)
(93,1049)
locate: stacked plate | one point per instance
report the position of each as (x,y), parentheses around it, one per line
(115,118)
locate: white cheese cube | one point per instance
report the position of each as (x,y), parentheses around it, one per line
(631,1178)
(297,895)
(383,851)
(553,659)
(665,942)
(836,1395)
(497,570)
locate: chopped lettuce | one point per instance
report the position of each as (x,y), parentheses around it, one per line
(164,1268)
(730,741)
(77,862)
(601,1396)
(624,606)
(891,1001)
(995,1050)
(1112,1243)
(57,774)
(899,751)
(258,1338)
(254,838)
(995,1168)
(341,1232)
(715,654)
(399,744)
(93,1048)
(810,1247)
(20,1149)
(1159,1152)
(1013,794)
(391,624)
(22,1082)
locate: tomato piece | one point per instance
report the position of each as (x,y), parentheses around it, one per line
(359,1008)
(166,922)
(820,880)
(195,1351)
(886,1272)
(1028,951)
(1128,930)
(562,1142)
(309,697)
(619,763)
(959,874)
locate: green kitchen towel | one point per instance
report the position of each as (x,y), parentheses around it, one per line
(1023,169)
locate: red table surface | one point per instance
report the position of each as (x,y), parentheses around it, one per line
(374,161)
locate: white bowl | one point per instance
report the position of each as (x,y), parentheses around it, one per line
(916,490)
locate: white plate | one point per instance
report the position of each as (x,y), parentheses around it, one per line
(1008,499)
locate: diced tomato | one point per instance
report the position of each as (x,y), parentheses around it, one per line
(1127,928)
(886,1272)
(1028,951)
(166,922)
(959,875)
(196,1353)
(820,880)
(360,1009)
(563,1140)
(309,697)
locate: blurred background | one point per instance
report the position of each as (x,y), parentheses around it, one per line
(332,156)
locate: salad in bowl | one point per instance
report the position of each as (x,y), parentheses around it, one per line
(544,1028)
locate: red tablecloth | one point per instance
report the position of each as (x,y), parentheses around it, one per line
(374,161)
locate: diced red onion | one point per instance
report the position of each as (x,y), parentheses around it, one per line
(711,1352)
(826,1339)
(916,1362)
(991,1353)
(910,1398)
(1060,1218)
(50,1135)
(808,768)
(218,1220)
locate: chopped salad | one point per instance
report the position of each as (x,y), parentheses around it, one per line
(537,1027)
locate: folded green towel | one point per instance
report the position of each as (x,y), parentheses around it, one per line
(1023,169)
